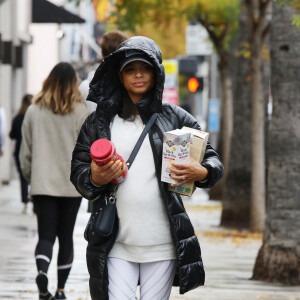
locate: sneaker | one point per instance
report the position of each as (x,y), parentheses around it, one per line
(42,283)
(60,295)
(46,296)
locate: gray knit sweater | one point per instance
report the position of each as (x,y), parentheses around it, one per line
(48,141)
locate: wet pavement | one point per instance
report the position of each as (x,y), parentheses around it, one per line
(228,256)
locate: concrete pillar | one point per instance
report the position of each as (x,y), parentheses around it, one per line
(6,74)
(15,16)
(21,38)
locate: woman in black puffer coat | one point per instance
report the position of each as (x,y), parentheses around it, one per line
(127,88)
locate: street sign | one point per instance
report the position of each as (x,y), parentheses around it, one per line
(171,93)
(171,96)
(187,65)
(197,41)
(214,115)
(171,81)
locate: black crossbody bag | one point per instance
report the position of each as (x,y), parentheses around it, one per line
(102,222)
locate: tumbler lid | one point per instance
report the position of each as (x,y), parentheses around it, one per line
(101,149)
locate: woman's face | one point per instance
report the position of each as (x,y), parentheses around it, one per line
(138,79)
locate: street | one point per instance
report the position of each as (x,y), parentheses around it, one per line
(228,256)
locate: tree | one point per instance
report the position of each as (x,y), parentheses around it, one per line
(236,201)
(259,28)
(278,258)
(237,198)
(220,19)
(155,19)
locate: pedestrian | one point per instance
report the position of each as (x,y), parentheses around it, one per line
(49,133)
(154,244)
(2,129)
(109,43)
(16,134)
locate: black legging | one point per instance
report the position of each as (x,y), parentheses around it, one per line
(23,182)
(56,217)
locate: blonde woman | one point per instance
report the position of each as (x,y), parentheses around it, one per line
(49,131)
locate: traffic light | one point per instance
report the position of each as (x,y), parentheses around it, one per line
(195,84)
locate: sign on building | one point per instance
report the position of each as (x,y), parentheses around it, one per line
(197,41)
(171,91)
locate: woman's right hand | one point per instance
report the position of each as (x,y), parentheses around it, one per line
(101,175)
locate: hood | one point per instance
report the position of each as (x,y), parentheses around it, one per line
(106,89)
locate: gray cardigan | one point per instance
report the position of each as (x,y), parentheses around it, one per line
(46,149)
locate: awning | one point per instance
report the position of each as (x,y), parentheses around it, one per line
(44,11)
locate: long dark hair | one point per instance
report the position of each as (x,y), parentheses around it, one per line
(128,110)
(26,101)
(60,90)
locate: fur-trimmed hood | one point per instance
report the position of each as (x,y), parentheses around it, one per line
(106,89)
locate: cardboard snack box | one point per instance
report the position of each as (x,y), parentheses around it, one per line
(198,145)
(176,148)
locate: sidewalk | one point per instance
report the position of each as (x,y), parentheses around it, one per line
(228,256)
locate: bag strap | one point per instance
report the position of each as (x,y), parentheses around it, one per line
(140,140)
(133,154)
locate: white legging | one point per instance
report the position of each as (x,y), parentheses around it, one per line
(155,279)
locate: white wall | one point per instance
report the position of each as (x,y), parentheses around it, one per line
(43,55)
(47,50)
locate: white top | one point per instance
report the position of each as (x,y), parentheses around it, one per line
(144,233)
(46,149)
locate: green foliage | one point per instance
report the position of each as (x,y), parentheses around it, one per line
(128,14)
(283,2)
(219,17)
(296,20)
(244,51)
(155,19)
(296,5)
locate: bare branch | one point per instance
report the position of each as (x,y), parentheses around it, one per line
(211,33)
(251,17)
(218,41)
(263,6)
(266,31)
(224,32)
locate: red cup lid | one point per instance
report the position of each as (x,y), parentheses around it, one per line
(101,149)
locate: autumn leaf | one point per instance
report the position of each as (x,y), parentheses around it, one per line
(235,236)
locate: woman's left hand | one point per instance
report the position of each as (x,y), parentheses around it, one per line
(187,173)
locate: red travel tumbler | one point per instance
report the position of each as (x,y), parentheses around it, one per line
(102,152)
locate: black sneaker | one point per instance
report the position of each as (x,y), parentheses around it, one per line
(42,283)
(46,296)
(60,295)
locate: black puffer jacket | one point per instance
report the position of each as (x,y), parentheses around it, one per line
(105,89)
